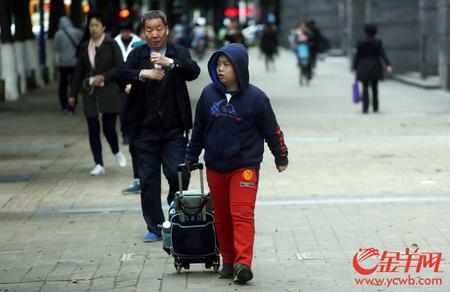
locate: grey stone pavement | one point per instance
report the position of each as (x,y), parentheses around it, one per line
(354,181)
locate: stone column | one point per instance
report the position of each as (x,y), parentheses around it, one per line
(323,12)
(292,11)
(443,8)
(428,38)
(343,18)
(355,16)
(398,28)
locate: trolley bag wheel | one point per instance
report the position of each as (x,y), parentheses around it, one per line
(216,267)
(177,266)
(187,266)
(207,265)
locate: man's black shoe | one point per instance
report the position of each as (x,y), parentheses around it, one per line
(242,274)
(226,271)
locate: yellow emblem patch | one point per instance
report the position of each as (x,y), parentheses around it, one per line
(247,174)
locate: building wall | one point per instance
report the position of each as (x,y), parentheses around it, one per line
(416,33)
(323,12)
(398,26)
(354,17)
(326,15)
(290,14)
(408,28)
(443,10)
(429,38)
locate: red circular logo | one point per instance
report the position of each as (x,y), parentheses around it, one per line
(364,259)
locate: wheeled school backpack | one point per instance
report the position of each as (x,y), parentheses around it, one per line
(190,235)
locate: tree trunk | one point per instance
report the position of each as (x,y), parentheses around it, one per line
(19,9)
(8,66)
(19,53)
(34,72)
(112,17)
(9,71)
(27,51)
(75,13)
(21,58)
(51,60)
(102,6)
(56,12)
(28,30)
(5,21)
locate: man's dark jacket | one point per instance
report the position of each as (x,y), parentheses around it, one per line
(173,84)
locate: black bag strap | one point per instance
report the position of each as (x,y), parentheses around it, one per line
(74,44)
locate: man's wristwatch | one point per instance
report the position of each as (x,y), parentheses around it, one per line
(141,75)
(171,63)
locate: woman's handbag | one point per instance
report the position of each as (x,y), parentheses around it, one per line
(356,96)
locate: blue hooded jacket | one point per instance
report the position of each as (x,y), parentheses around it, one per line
(233,133)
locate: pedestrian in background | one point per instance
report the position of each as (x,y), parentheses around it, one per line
(314,39)
(67,40)
(368,66)
(94,75)
(199,42)
(125,40)
(303,51)
(234,33)
(141,34)
(269,45)
(232,120)
(158,114)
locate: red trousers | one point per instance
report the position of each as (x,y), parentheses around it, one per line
(234,195)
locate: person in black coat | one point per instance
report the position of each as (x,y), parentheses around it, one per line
(94,79)
(314,39)
(368,66)
(269,44)
(158,113)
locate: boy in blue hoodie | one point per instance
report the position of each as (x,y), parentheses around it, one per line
(232,120)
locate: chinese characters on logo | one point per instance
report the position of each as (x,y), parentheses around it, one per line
(370,260)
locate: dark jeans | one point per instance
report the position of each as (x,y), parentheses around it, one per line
(269,60)
(153,149)
(65,78)
(123,104)
(305,68)
(365,95)
(134,161)
(109,130)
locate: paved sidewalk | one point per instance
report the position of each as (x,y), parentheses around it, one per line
(354,181)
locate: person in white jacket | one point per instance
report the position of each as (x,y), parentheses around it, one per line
(125,39)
